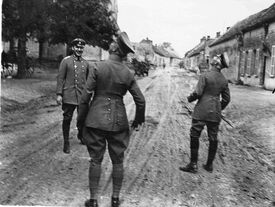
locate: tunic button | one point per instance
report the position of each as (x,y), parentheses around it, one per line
(109,109)
(109,99)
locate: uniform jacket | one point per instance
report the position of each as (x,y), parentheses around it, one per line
(71,79)
(110,80)
(213,96)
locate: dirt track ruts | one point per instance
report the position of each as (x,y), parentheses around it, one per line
(35,171)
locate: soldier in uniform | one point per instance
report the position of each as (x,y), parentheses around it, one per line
(71,79)
(213,96)
(105,118)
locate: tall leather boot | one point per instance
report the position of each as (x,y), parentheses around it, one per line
(80,127)
(80,136)
(192,166)
(117,176)
(213,146)
(94,177)
(66,132)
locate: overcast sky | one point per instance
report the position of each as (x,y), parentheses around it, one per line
(182,22)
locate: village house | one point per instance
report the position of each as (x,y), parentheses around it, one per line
(161,58)
(197,59)
(163,55)
(250,44)
(143,50)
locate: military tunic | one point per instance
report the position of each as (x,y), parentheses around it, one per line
(105,117)
(71,79)
(210,87)
(110,80)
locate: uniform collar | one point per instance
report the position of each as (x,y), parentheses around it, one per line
(77,58)
(115,57)
(215,69)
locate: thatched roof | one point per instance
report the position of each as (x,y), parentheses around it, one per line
(252,22)
(165,52)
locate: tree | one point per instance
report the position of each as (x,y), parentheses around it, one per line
(59,21)
(22,19)
(88,19)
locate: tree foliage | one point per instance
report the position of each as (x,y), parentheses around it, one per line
(88,19)
(22,19)
(58,21)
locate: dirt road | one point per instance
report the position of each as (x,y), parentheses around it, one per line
(35,171)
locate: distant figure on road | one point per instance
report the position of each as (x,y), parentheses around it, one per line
(105,119)
(210,88)
(71,79)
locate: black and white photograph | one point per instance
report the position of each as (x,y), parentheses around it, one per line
(137,103)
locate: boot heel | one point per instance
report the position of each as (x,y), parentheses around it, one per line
(66,147)
(191,167)
(115,202)
(208,168)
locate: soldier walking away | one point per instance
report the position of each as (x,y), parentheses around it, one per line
(213,96)
(105,120)
(71,79)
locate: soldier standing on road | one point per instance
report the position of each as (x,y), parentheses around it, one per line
(71,79)
(105,118)
(211,86)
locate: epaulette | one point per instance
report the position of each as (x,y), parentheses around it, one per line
(67,57)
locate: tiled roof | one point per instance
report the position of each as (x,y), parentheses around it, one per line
(165,52)
(251,22)
(200,47)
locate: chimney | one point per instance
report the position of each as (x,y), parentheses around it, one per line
(218,34)
(208,37)
(203,38)
(227,28)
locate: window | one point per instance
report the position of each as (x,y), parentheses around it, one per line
(242,59)
(248,65)
(272,72)
(245,62)
(257,63)
(253,63)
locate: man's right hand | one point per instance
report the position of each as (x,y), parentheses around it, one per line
(59,99)
(136,126)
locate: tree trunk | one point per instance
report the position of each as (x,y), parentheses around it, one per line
(40,56)
(68,50)
(12,44)
(21,58)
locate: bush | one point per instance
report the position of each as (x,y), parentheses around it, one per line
(141,68)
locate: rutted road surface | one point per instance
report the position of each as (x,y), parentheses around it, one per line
(35,171)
